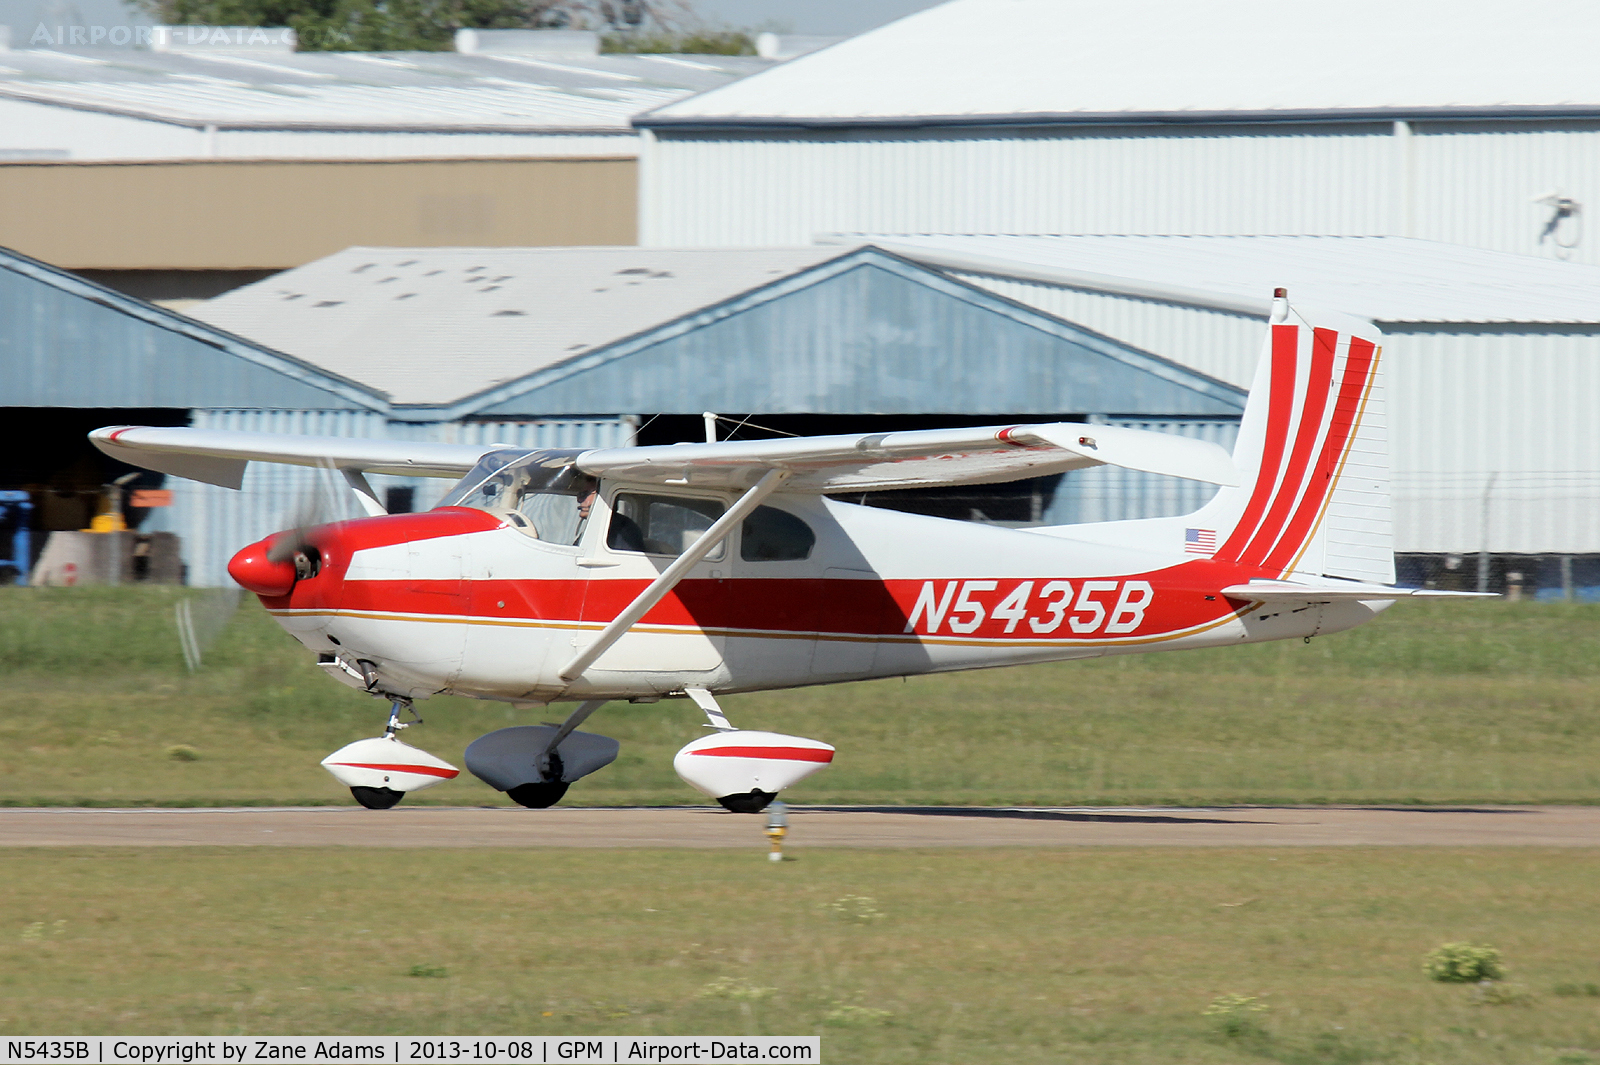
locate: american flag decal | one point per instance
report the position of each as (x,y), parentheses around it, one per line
(1200,541)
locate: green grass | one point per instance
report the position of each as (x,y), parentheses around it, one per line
(1433,703)
(1006,956)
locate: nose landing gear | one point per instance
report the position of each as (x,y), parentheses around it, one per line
(379,771)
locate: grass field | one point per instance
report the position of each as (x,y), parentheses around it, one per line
(935,957)
(1433,703)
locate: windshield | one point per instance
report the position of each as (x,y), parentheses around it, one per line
(540,492)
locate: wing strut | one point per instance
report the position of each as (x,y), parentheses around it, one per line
(674,573)
(364,491)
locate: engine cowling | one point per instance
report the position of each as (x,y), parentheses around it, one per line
(385,762)
(744,771)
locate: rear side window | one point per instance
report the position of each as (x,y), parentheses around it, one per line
(660,525)
(772,535)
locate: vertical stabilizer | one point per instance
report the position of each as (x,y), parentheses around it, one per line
(1313,456)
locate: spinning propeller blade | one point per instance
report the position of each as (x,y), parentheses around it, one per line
(317,506)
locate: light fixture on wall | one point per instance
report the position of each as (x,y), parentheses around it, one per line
(1562,209)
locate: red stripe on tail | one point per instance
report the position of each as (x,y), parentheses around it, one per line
(1318,384)
(1341,431)
(1285,356)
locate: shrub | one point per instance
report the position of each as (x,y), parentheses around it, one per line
(857,909)
(182,752)
(849,1014)
(1591,990)
(731,987)
(434,971)
(1489,993)
(1235,1015)
(1463,963)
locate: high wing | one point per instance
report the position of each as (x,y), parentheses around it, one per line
(219,456)
(918,459)
(857,462)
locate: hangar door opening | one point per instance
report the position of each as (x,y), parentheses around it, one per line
(45,452)
(1012,503)
(1102,494)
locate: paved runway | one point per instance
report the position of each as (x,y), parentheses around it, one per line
(836,826)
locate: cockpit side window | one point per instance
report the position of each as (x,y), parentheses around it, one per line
(773,535)
(661,525)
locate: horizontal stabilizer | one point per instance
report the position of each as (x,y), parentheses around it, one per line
(1293,592)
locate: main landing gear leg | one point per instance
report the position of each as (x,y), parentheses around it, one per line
(549,788)
(385,798)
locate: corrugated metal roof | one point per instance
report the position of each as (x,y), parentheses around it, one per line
(1177,60)
(366,91)
(1384,279)
(433,325)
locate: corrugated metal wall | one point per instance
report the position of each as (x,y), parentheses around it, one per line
(1476,185)
(1466,404)
(69,343)
(1448,182)
(1219,343)
(1109,493)
(1499,423)
(215,522)
(783,188)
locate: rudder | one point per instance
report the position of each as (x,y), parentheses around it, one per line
(1312,455)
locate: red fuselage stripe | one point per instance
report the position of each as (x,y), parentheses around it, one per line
(803,607)
(1341,431)
(1285,359)
(422,770)
(1318,384)
(780,754)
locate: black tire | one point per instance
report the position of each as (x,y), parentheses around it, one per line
(377,798)
(540,795)
(752,802)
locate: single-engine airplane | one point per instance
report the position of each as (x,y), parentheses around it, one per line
(701,569)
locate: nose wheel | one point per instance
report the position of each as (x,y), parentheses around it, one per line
(377,798)
(387,798)
(379,771)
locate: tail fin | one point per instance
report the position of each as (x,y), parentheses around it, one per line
(1312,455)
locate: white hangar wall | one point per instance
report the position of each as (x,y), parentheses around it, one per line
(1492,431)
(1457,182)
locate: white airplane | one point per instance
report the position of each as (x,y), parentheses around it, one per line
(701,569)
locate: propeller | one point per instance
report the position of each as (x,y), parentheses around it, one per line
(318,505)
(201,619)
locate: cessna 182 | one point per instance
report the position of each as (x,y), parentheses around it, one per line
(700,569)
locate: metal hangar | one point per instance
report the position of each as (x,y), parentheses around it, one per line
(567,347)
